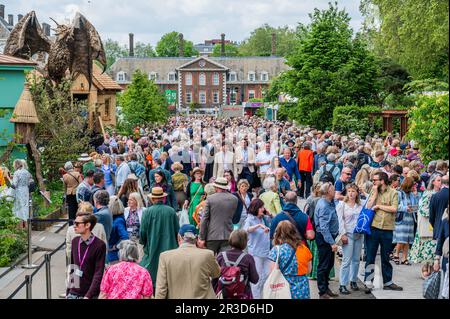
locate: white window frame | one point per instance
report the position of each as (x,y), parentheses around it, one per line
(153,76)
(202,79)
(188,97)
(216,97)
(252,76)
(121,74)
(188,78)
(200,95)
(251,92)
(264,76)
(172,74)
(231,76)
(216,78)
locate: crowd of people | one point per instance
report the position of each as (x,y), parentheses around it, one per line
(202,207)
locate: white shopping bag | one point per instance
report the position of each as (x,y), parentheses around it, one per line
(184,217)
(276,286)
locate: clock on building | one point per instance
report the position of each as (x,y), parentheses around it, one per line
(202,63)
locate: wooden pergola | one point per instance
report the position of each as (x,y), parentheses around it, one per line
(388,116)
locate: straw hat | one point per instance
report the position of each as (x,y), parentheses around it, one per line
(197,169)
(84,158)
(157,192)
(221,182)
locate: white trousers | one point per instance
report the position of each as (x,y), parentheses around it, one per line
(262,267)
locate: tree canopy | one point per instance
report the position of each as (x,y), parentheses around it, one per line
(414,33)
(113,51)
(329,68)
(260,41)
(142,50)
(142,102)
(168,46)
(230,50)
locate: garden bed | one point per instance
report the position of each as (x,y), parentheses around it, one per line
(52,211)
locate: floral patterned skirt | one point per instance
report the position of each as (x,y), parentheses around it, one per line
(422,250)
(299,287)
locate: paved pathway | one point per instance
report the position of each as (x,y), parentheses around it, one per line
(406,276)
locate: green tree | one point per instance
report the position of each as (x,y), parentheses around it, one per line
(428,126)
(414,33)
(169,46)
(142,103)
(142,50)
(230,50)
(392,80)
(329,68)
(260,41)
(113,51)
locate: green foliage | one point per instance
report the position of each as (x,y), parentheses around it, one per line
(230,50)
(392,80)
(40,208)
(142,103)
(286,111)
(142,50)
(428,126)
(260,41)
(414,33)
(62,131)
(329,68)
(355,119)
(12,239)
(169,46)
(113,51)
(256,100)
(426,85)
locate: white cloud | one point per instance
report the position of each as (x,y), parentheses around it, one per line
(196,19)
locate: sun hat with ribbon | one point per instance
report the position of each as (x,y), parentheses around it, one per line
(157,192)
(84,158)
(221,182)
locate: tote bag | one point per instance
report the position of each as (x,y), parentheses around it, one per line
(183,217)
(364,222)
(432,285)
(276,286)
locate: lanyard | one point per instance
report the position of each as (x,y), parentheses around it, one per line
(81,261)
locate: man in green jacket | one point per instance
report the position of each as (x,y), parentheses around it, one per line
(158,231)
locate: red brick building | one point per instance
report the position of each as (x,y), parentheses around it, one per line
(207,83)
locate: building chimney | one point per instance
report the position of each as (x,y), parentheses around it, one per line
(181,45)
(274,46)
(2,11)
(131,35)
(222,44)
(19,17)
(46,28)
(10,19)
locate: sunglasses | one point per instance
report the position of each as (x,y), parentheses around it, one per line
(79,223)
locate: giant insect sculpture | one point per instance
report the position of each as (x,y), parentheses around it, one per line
(75,48)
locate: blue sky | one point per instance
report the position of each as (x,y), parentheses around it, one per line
(196,19)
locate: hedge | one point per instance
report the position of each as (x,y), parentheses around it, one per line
(355,119)
(428,126)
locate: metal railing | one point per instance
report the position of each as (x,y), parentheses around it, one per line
(28,282)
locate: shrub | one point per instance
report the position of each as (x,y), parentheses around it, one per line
(428,126)
(355,119)
(12,239)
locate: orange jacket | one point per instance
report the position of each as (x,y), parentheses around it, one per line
(305,160)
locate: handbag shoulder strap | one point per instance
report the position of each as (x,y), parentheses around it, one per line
(292,220)
(242,200)
(289,260)
(198,190)
(78,182)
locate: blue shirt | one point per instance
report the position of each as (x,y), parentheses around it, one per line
(326,220)
(291,167)
(104,217)
(258,240)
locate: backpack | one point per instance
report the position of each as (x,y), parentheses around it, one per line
(231,282)
(327,176)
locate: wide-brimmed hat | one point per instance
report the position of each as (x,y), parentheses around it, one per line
(221,182)
(157,192)
(84,158)
(197,169)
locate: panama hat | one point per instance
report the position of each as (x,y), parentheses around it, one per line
(84,158)
(222,183)
(197,169)
(157,192)
(132,176)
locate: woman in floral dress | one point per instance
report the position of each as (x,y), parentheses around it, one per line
(21,182)
(286,242)
(424,246)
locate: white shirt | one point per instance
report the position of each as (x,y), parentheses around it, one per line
(347,216)
(263,156)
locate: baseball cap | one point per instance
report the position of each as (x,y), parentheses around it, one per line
(187,228)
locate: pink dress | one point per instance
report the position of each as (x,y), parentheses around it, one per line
(126,280)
